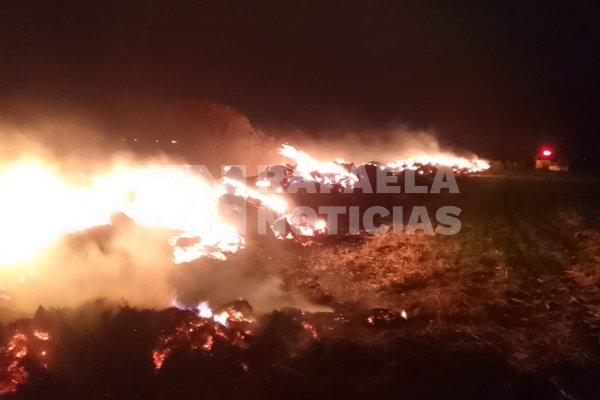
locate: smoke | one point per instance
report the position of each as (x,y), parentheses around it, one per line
(199,131)
(119,264)
(381,145)
(194,132)
(113,263)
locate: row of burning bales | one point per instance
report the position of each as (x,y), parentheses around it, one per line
(146,197)
(41,204)
(280,188)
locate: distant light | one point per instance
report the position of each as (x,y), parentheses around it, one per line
(174,141)
(546,152)
(156,140)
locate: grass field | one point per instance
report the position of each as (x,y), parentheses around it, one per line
(520,280)
(522,276)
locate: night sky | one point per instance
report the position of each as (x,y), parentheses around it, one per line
(498,78)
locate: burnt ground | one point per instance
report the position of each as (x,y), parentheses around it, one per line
(507,308)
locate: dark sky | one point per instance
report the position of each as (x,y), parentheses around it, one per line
(493,77)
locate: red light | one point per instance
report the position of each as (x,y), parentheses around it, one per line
(546,152)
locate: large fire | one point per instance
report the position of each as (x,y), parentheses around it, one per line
(40,205)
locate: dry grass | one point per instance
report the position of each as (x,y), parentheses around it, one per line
(522,276)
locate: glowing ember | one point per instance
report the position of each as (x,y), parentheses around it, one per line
(41,335)
(202,333)
(310,329)
(12,372)
(12,369)
(203,310)
(158,357)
